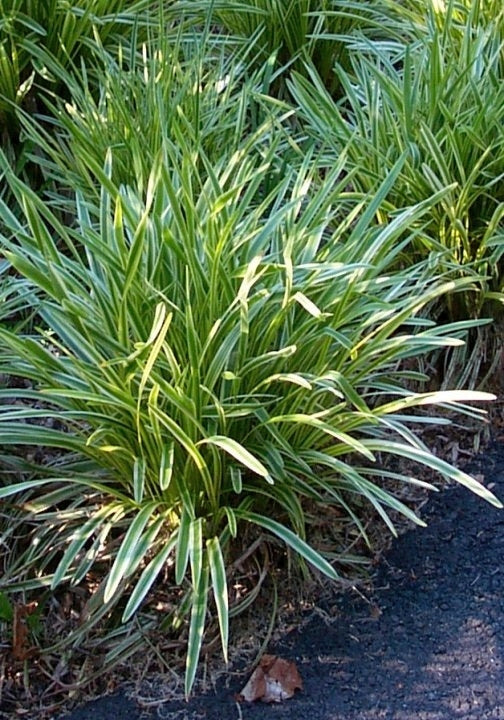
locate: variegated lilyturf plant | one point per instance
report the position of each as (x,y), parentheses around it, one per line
(219,344)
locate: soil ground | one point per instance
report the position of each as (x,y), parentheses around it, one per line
(427,645)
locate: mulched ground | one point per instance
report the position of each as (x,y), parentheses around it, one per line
(427,645)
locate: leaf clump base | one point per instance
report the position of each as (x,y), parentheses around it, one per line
(42,684)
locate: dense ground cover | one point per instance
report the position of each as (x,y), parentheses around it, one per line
(229,270)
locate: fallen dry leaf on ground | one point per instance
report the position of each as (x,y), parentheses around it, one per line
(20,645)
(273,680)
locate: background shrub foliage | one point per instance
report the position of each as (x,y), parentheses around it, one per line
(34,32)
(208,302)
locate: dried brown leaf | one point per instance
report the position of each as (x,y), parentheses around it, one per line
(273,680)
(20,645)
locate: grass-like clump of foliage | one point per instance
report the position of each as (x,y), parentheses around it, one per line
(211,304)
(36,36)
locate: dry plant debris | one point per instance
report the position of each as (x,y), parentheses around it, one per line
(273,680)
